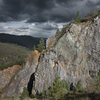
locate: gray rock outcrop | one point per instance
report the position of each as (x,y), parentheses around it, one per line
(21,79)
(7,74)
(73,55)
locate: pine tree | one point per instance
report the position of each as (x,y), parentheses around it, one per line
(78,18)
(41,45)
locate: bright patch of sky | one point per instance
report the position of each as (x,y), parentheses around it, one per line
(45,29)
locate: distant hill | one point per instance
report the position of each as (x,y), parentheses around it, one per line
(23,40)
(11,54)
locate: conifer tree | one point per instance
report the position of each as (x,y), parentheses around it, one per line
(41,45)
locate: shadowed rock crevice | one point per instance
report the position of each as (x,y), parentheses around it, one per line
(72,87)
(31,83)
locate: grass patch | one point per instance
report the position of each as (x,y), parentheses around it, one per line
(11,54)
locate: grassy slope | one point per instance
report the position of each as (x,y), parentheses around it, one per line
(11,54)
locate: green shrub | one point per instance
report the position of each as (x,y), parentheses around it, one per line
(79,87)
(24,94)
(58,89)
(97,82)
(41,45)
(78,18)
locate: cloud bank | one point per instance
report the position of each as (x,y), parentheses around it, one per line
(45,29)
(45,10)
(41,17)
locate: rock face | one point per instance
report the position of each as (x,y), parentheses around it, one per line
(21,79)
(7,74)
(74,56)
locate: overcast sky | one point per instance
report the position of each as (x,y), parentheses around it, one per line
(44,16)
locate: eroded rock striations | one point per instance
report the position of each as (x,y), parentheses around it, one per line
(73,55)
(7,74)
(21,79)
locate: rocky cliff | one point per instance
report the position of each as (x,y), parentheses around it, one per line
(20,80)
(73,54)
(7,74)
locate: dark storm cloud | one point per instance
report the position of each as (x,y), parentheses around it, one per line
(92,3)
(44,10)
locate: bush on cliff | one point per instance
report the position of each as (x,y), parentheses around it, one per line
(24,94)
(78,18)
(97,82)
(79,87)
(58,89)
(41,46)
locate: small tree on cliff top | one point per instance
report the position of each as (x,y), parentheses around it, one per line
(78,17)
(41,45)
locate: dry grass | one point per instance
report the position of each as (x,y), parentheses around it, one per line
(11,54)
